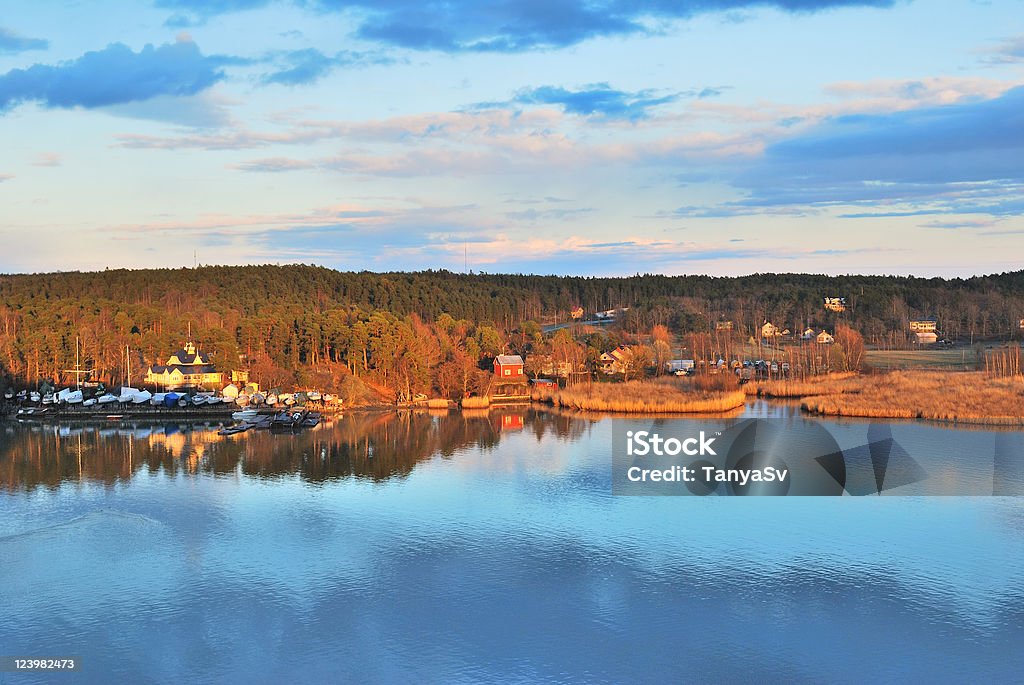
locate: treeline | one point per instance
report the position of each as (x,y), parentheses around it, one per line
(432,330)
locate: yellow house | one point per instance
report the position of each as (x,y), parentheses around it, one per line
(186,368)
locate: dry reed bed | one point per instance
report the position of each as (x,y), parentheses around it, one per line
(833,383)
(475,402)
(642,397)
(957,397)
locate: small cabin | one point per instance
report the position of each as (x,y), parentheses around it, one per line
(769,330)
(809,334)
(825,338)
(926,337)
(508,367)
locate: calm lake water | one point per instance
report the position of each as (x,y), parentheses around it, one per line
(480,548)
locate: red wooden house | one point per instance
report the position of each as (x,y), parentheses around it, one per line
(509,367)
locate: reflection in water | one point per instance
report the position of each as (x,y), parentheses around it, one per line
(484,547)
(372,445)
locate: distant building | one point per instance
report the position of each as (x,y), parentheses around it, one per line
(835,304)
(924,326)
(770,330)
(610,313)
(240,377)
(825,338)
(674,365)
(926,337)
(509,367)
(186,368)
(808,334)
(614,362)
(1022,323)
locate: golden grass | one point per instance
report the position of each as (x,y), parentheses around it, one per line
(437,403)
(833,383)
(642,397)
(475,402)
(934,358)
(967,397)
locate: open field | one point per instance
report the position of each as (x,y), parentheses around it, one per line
(969,397)
(961,359)
(643,397)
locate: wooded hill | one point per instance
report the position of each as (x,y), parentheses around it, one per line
(279,320)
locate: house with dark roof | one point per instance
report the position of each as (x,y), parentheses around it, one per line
(186,368)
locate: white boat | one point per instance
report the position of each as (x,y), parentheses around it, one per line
(271,400)
(9,395)
(74,397)
(256,399)
(36,397)
(89,402)
(106,399)
(157,399)
(244,415)
(289,400)
(199,400)
(242,400)
(142,397)
(127,394)
(214,400)
(63,395)
(313,395)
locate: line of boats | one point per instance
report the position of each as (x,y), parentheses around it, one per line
(134,396)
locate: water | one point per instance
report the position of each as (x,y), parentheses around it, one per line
(486,548)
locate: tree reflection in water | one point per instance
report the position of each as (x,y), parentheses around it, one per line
(371,445)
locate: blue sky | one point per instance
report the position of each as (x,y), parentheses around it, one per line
(546,136)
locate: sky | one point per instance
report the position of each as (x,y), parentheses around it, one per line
(585,137)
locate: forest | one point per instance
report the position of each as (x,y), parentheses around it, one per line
(435,331)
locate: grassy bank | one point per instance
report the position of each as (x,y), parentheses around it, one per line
(968,397)
(665,396)
(830,384)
